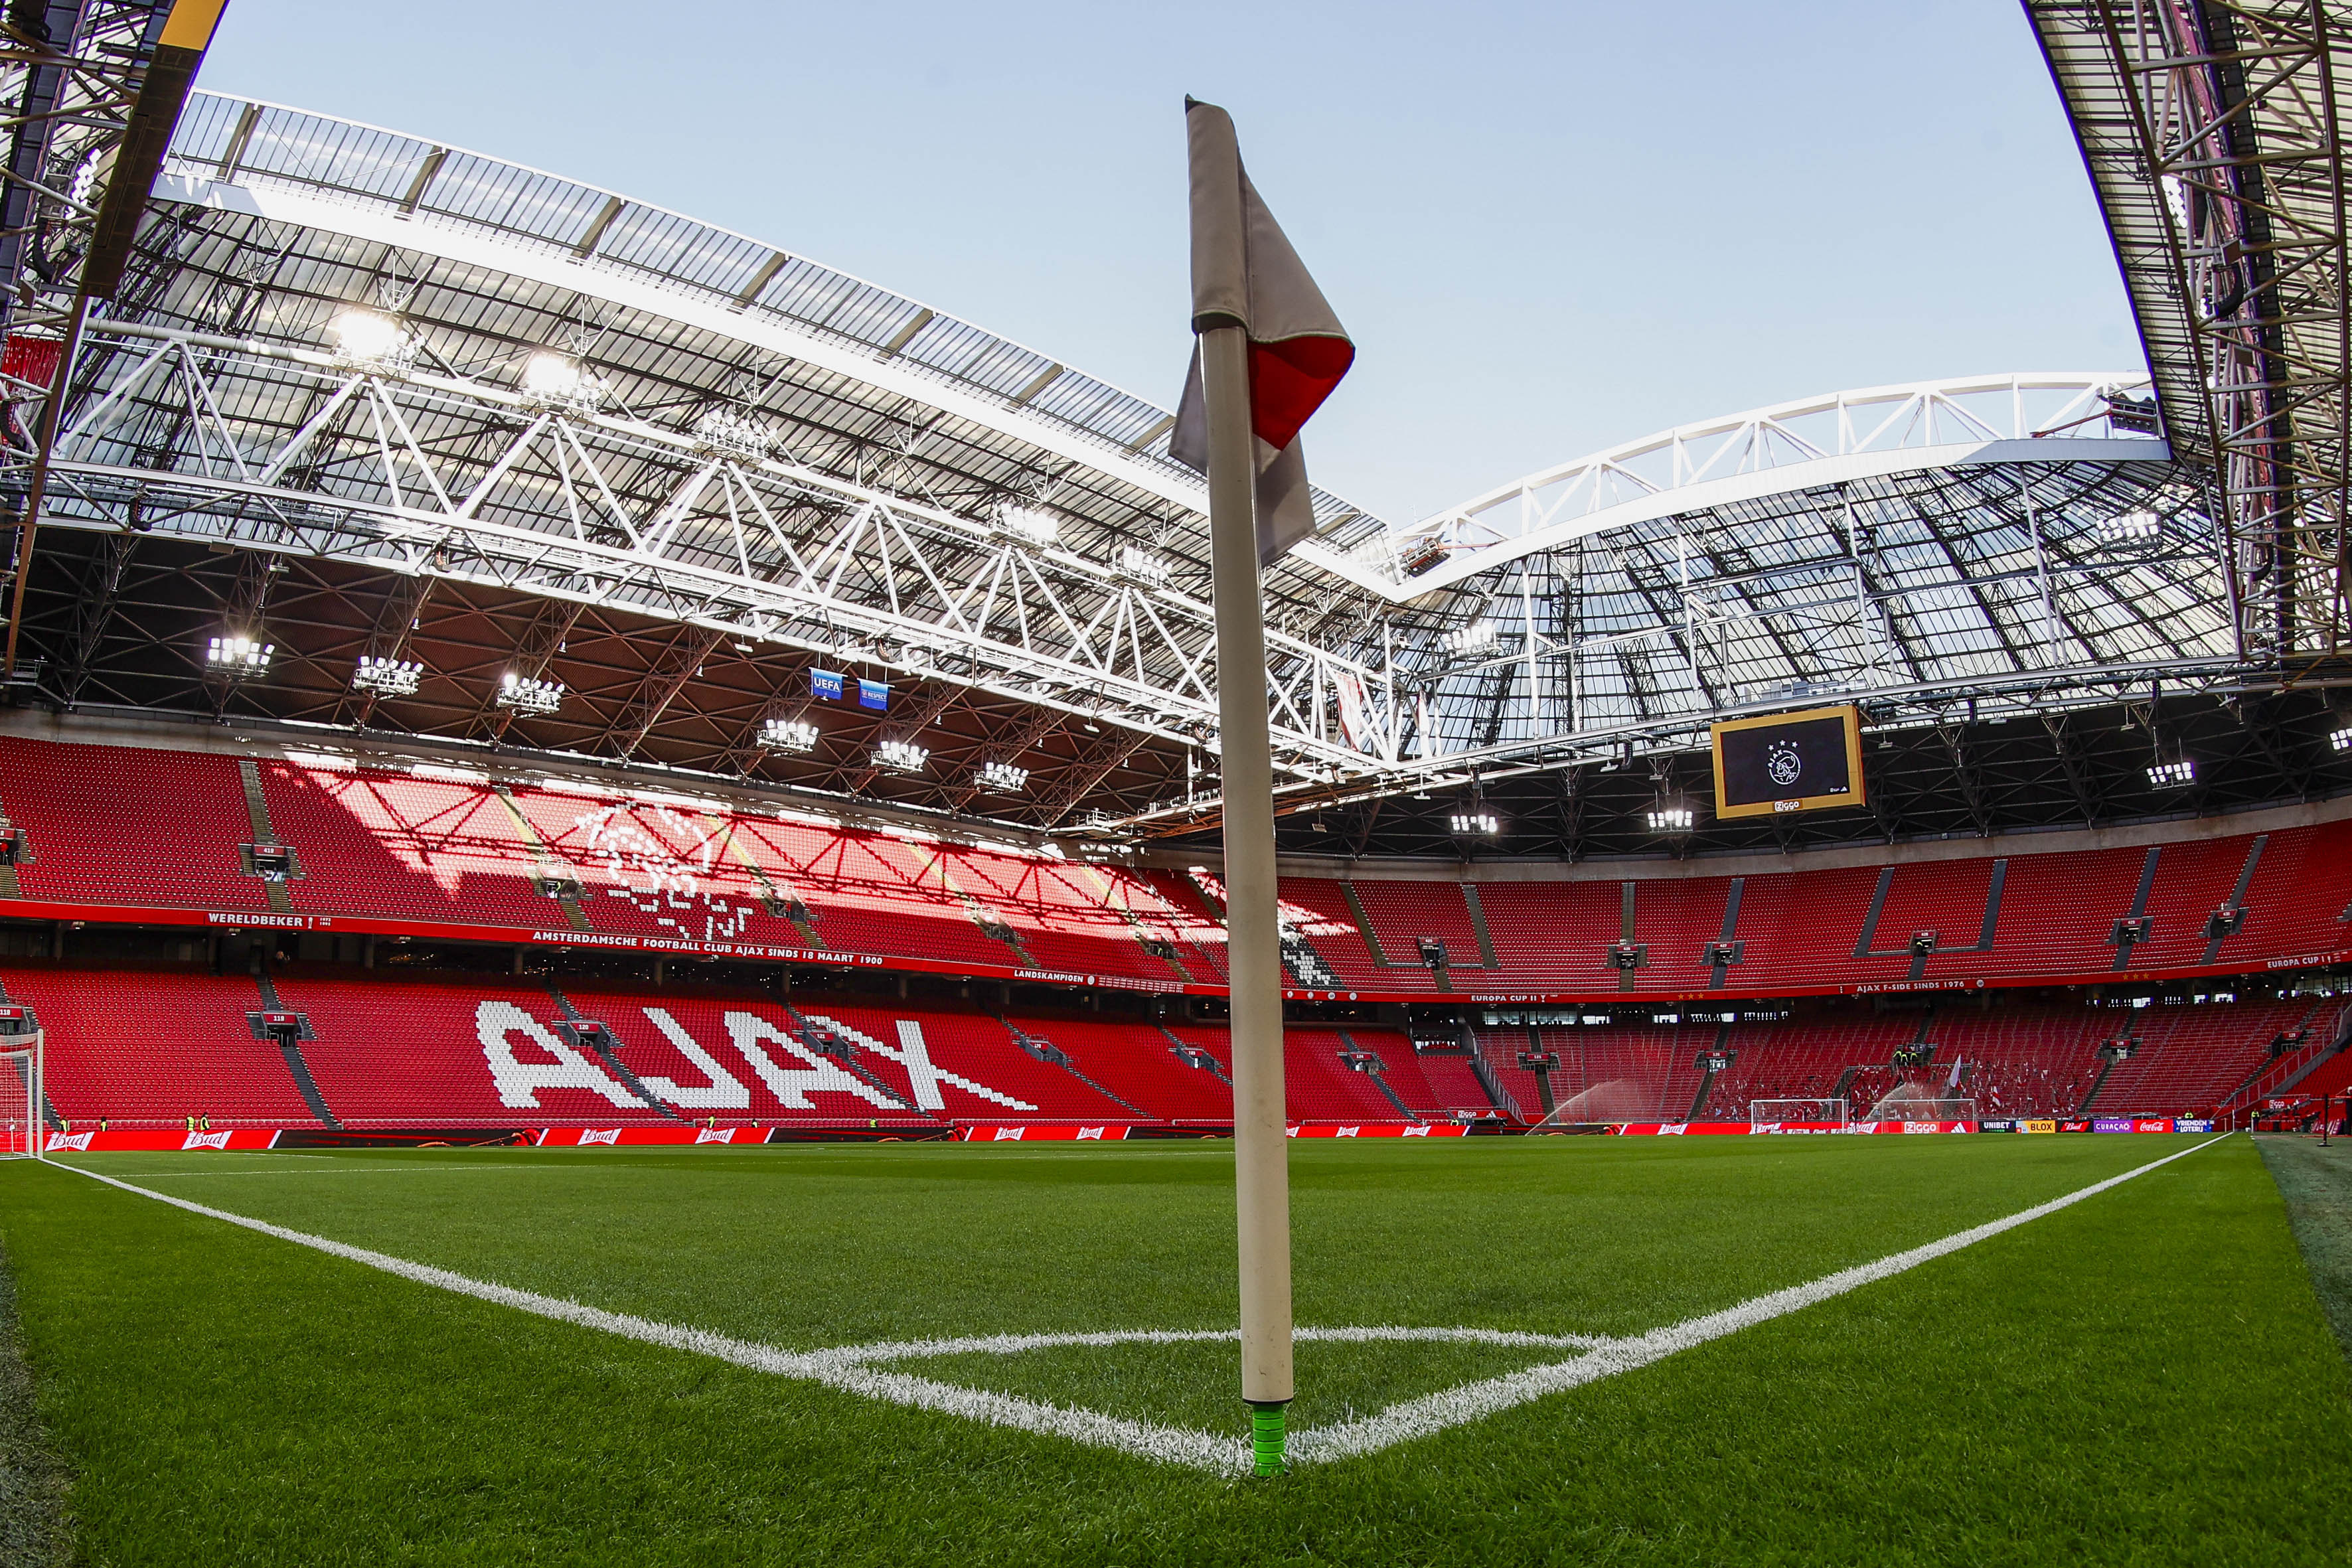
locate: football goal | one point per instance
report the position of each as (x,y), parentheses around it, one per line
(1765,1114)
(20,1100)
(1905,1108)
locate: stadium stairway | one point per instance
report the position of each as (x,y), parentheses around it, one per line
(1047,1051)
(1479,930)
(154,1048)
(825,1042)
(1709,1073)
(2303,1068)
(1504,1102)
(1204,1061)
(1455,1089)
(1364,927)
(778,903)
(2329,1074)
(289,1042)
(556,878)
(1404,917)
(21,850)
(1379,1078)
(1145,1067)
(2190,1057)
(598,1042)
(1120,897)
(273,885)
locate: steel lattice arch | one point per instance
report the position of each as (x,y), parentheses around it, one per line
(367,397)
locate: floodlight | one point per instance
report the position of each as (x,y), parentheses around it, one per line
(2340,740)
(1142,566)
(525,694)
(1474,638)
(1670,819)
(387,677)
(788,736)
(901,756)
(559,380)
(732,433)
(365,337)
(1479,823)
(1031,522)
(2164,775)
(1003,777)
(239,656)
(2129,527)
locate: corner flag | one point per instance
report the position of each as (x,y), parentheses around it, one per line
(1267,351)
(1246,274)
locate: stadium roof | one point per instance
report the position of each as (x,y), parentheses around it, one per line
(2214,136)
(368,397)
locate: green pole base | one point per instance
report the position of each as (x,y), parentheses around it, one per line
(1266,1439)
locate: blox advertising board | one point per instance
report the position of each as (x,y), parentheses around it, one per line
(1808,761)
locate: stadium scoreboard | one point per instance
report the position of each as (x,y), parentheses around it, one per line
(1808,761)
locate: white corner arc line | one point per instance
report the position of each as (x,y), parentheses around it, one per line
(847,1368)
(838,1369)
(1474,1401)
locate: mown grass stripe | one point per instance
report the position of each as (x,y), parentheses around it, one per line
(846,1368)
(1475,1400)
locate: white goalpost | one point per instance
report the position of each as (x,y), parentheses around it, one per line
(20,1099)
(1763,1114)
(1923,1109)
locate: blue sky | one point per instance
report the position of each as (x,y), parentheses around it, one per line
(1549,228)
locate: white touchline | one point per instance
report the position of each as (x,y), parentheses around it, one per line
(387,1169)
(849,1368)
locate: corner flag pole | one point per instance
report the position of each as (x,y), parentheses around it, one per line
(1268,350)
(1253,940)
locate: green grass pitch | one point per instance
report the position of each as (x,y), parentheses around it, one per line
(2143,1376)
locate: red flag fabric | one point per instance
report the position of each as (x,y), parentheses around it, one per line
(1245,274)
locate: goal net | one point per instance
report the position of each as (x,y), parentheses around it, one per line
(1900,1107)
(1767,1113)
(20,1100)
(1924,1100)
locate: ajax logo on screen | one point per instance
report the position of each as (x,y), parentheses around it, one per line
(1782,763)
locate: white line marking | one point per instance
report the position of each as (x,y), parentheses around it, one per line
(1473,1401)
(340,1171)
(836,1369)
(848,1369)
(1012,1344)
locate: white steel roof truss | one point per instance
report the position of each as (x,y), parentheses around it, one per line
(390,502)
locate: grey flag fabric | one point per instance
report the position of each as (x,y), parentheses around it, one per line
(1245,274)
